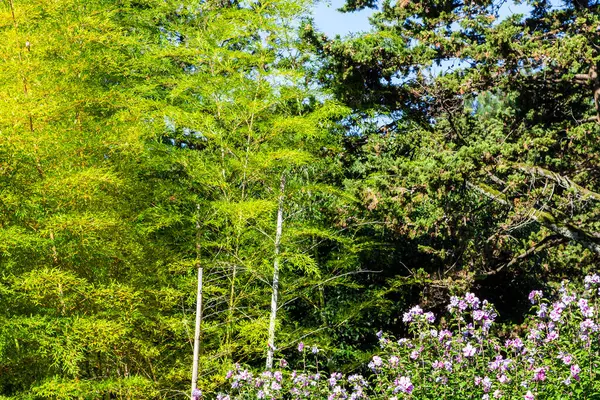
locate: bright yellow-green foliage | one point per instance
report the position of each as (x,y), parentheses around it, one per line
(122,125)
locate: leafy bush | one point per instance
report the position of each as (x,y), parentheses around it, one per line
(553,356)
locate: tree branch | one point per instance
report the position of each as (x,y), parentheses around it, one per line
(547,220)
(548,241)
(563,181)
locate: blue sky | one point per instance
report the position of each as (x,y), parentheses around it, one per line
(332,22)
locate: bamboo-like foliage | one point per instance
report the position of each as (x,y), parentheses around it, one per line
(117,119)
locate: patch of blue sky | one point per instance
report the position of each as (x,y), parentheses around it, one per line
(331,21)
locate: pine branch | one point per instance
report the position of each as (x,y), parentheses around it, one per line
(544,218)
(563,181)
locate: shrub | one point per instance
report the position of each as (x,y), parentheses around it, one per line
(462,357)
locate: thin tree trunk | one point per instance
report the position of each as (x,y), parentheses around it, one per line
(197,330)
(273,318)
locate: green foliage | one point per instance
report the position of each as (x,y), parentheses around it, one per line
(142,139)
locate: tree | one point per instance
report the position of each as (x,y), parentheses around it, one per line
(120,119)
(476,142)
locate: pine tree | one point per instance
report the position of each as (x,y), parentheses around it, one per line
(476,141)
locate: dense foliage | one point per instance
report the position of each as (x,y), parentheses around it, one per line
(472,140)
(451,149)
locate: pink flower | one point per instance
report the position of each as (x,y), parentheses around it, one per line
(551,336)
(575,370)
(567,359)
(529,396)
(540,374)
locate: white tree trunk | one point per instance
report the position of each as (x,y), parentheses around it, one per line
(198,310)
(273,318)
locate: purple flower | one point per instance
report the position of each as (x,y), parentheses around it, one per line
(335,377)
(535,296)
(453,303)
(196,394)
(567,299)
(376,362)
(588,326)
(478,315)
(448,366)
(315,349)
(494,365)
(430,317)
(404,385)
(444,333)
(551,336)
(469,351)
(585,309)
(539,374)
(472,300)
(416,310)
(557,309)
(487,384)
(516,343)
(300,347)
(534,334)
(543,311)
(591,280)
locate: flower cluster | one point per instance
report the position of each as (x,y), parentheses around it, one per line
(555,354)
